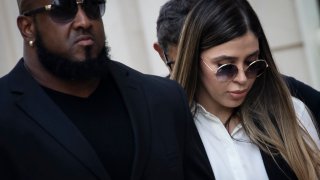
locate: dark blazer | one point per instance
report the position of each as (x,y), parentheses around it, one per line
(306,94)
(38,141)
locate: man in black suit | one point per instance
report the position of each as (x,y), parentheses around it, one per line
(169,26)
(69,112)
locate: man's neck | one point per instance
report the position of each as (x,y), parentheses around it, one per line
(75,88)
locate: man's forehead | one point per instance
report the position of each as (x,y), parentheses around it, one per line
(25,5)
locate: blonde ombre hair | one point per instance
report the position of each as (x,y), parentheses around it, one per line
(267,114)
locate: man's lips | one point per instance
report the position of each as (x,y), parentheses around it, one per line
(84,40)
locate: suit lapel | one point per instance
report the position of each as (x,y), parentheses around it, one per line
(138,109)
(36,104)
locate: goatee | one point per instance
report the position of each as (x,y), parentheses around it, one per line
(71,70)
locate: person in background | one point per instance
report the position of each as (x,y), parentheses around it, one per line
(250,125)
(169,25)
(67,111)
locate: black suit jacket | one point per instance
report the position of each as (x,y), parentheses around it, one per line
(306,94)
(38,141)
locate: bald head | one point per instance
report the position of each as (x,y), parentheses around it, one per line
(19,5)
(25,5)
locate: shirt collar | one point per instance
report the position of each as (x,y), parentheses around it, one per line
(202,114)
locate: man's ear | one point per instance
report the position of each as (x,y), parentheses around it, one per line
(157,47)
(26,28)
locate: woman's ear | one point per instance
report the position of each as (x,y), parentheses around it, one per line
(26,27)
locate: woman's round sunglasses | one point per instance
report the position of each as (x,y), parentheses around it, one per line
(228,72)
(64,11)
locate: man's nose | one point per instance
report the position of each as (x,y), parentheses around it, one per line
(81,19)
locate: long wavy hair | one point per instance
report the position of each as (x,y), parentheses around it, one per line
(267,113)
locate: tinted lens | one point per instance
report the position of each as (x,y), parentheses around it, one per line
(226,72)
(94,8)
(256,68)
(63,10)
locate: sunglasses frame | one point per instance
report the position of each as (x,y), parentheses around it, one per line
(50,7)
(168,62)
(245,70)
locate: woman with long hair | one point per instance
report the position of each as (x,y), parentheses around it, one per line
(250,126)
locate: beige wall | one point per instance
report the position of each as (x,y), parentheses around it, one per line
(291,26)
(10,39)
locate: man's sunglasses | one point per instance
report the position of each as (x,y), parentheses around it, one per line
(64,11)
(227,72)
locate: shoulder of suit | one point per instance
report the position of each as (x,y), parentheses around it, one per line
(4,82)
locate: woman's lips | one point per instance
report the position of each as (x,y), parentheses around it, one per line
(239,94)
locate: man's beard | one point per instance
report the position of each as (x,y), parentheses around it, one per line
(73,70)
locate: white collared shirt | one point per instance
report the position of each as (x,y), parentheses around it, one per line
(235,158)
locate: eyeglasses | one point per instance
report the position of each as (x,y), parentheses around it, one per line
(64,11)
(168,62)
(227,72)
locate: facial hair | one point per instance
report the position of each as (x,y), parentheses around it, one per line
(71,70)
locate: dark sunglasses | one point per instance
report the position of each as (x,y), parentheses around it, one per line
(168,62)
(64,11)
(227,72)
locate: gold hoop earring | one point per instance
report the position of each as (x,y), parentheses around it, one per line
(31,43)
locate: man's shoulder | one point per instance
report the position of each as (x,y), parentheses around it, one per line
(7,100)
(296,85)
(13,73)
(302,90)
(4,83)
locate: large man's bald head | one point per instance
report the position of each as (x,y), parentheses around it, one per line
(19,5)
(25,5)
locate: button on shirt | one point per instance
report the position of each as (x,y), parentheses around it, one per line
(234,156)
